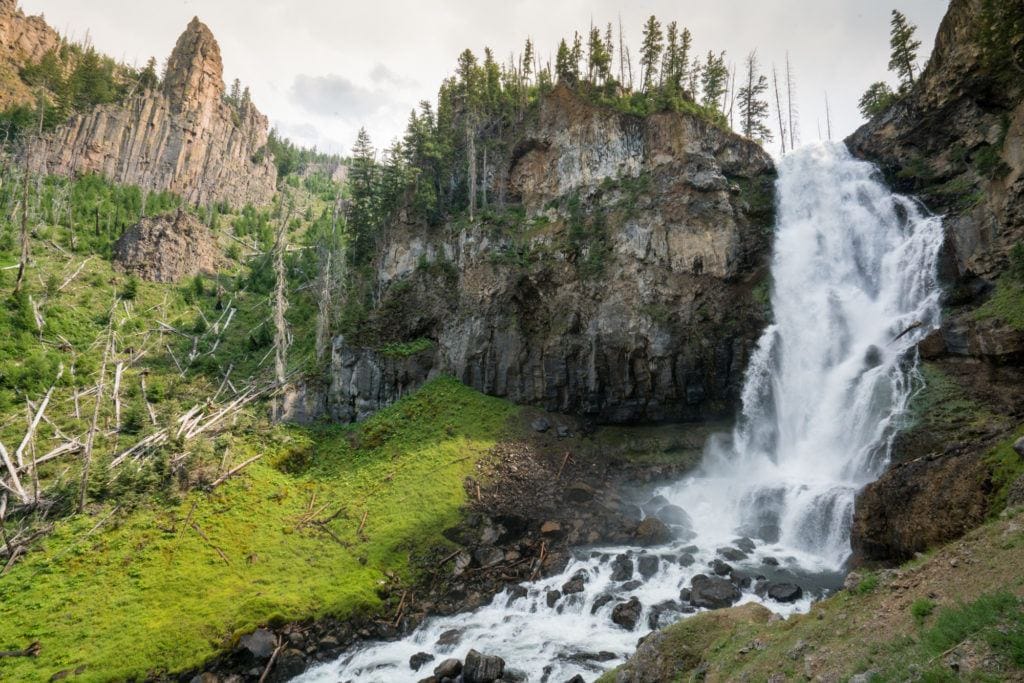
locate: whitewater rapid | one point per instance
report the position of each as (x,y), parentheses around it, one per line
(854,290)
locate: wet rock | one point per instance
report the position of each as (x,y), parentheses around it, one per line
(712,592)
(740,579)
(516,593)
(732,554)
(290,663)
(673,514)
(449,668)
(622,568)
(258,645)
(450,637)
(576,679)
(514,676)
(489,556)
(576,583)
(602,656)
(652,531)
(720,568)
(551,528)
(578,492)
(770,561)
(480,668)
(627,614)
(684,595)
(760,588)
(419,659)
(663,614)
(785,592)
(540,425)
(631,585)
(745,544)
(686,560)
(553,597)
(654,504)
(600,601)
(647,565)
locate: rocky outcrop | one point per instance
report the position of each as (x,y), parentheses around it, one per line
(622,284)
(23,40)
(956,141)
(167,249)
(183,137)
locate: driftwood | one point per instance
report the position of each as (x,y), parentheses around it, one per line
(908,330)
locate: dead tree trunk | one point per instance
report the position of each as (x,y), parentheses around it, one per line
(91,438)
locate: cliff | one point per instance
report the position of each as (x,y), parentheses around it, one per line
(182,137)
(957,141)
(622,283)
(23,39)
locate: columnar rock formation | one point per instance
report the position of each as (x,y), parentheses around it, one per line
(622,287)
(23,39)
(183,137)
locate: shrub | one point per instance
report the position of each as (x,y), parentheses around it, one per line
(130,289)
(921,608)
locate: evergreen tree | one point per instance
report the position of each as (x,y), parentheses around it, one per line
(650,52)
(364,207)
(235,94)
(753,102)
(527,62)
(148,79)
(669,67)
(714,79)
(598,60)
(576,54)
(609,48)
(904,49)
(563,64)
(878,97)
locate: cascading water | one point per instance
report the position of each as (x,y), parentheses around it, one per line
(854,292)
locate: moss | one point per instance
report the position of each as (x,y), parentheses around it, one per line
(406,349)
(1006,304)
(146,593)
(1006,467)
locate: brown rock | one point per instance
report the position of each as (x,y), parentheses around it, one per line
(167,249)
(652,531)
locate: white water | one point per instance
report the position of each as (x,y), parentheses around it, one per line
(854,267)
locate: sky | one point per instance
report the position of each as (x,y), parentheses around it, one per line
(320,69)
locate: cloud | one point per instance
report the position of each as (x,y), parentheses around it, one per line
(337,96)
(382,75)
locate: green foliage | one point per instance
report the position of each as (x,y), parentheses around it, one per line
(1016,268)
(130,289)
(1006,304)
(753,103)
(903,60)
(921,609)
(878,98)
(149,570)
(999,30)
(1007,467)
(867,584)
(406,349)
(996,619)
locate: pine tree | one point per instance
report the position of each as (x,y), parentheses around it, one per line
(563,64)
(714,80)
(364,207)
(598,59)
(904,49)
(609,48)
(235,94)
(650,52)
(753,104)
(669,65)
(576,55)
(527,61)
(148,79)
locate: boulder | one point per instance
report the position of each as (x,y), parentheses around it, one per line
(449,668)
(451,637)
(540,425)
(627,614)
(167,249)
(576,583)
(732,554)
(480,668)
(740,579)
(652,531)
(770,562)
(745,544)
(686,559)
(647,565)
(712,592)
(290,663)
(600,601)
(622,568)
(785,592)
(673,514)
(516,593)
(1018,446)
(552,597)
(631,585)
(720,568)
(489,556)
(259,645)
(663,614)
(419,659)
(654,504)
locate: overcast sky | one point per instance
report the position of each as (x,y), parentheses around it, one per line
(321,68)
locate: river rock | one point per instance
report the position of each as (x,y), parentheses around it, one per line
(631,585)
(516,593)
(480,668)
(732,554)
(290,663)
(489,556)
(622,568)
(785,592)
(652,531)
(1018,446)
(740,579)
(647,565)
(419,659)
(552,597)
(686,559)
(712,592)
(673,514)
(770,562)
(720,568)
(449,668)
(745,544)
(259,645)
(449,638)
(627,614)
(600,601)
(576,583)
(663,614)
(654,504)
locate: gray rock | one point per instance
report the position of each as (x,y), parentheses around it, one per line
(514,676)
(631,585)
(516,593)
(563,432)
(720,568)
(652,531)
(489,556)
(740,579)
(576,583)
(260,644)
(732,554)
(627,614)
(686,559)
(600,601)
(449,668)
(654,504)
(673,514)
(745,544)
(480,668)
(785,592)
(663,614)
(450,637)
(770,561)
(1018,446)
(712,592)
(647,565)
(540,425)
(553,597)
(622,568)
(417,661)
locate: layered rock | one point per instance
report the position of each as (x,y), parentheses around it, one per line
(184,137)
(167,249)
(957,141)
(23,40)
(621,286)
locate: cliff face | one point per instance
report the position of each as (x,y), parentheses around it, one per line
(23,39)
(956,141)
(621,286)
(184,137)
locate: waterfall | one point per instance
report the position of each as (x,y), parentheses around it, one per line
(854,290)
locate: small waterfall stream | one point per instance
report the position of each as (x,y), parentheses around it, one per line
(854,291)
